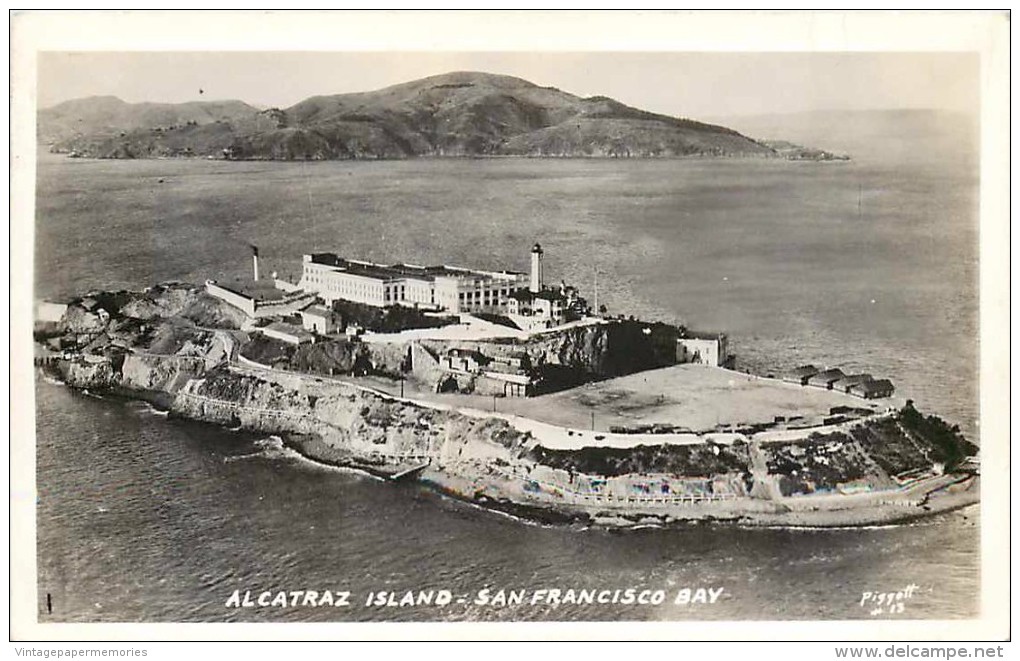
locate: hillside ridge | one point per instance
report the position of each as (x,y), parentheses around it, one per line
(461,113)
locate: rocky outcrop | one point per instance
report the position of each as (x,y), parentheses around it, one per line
(95,375)
(162,373)
(576,355)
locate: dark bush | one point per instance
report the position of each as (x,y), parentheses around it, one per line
(267,351)
(686,460)
(947,444)
(388,320)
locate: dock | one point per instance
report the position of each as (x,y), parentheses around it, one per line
(409,471)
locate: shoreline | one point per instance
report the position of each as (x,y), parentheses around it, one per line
(464,157)
(849,518)
(808,514)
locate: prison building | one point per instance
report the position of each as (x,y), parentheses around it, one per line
(449,288)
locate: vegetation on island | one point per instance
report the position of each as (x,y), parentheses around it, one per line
(454,114)
(703,460)
(392,319)
(947,442)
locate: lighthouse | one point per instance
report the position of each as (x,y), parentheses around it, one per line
(255,263)
(536,269)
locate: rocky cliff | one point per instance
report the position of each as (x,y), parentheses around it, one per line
(576,355)
(881,470)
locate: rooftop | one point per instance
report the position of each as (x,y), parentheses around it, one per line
(873,386)
(546,294)
(318,310)
(289,329)
(827,376)
(260,290)
(703,335)
(399,271)
(853,379)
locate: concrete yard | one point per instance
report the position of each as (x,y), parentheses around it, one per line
(697,397)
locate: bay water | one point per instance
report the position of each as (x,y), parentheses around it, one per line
(868,265)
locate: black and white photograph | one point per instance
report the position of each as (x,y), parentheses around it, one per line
(490,335)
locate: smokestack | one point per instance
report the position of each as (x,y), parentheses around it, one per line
(255,262)
(536,269)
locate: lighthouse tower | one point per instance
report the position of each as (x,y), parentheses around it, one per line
(255,263)
(536,269)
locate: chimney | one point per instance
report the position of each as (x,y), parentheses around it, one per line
(536,269)
(255,262)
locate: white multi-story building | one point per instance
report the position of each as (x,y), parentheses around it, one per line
(449,288)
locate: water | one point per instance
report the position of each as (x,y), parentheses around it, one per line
(869,265)
(147,519)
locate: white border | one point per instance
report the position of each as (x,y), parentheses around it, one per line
(983,32)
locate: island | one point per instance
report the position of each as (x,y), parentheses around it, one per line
(498,389)
(453,115)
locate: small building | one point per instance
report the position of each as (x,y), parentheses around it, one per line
(844,384)
(873,389)
(506,384)
(549,305)
(466,361)
(826,379)
(800,375)
(513,363)
(319,319)
(289,333)
(702,349)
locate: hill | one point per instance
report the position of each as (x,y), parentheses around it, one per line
(455,114)
(100,117)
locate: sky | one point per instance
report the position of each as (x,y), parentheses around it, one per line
(696,85)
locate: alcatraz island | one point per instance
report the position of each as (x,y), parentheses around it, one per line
(498,388)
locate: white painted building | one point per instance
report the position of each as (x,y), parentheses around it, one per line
(319,319)
(702,350)
(449,288)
